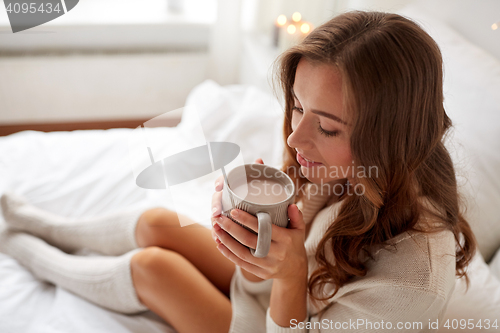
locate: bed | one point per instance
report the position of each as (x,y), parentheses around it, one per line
(89,173)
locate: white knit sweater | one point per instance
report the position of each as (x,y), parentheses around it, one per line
(408,283)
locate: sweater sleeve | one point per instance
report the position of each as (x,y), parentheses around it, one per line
(250,301)
(373,310)
(407,287)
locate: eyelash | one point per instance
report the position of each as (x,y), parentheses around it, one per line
(320,129)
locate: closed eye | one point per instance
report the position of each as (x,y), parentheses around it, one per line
(325,132)
(321,130)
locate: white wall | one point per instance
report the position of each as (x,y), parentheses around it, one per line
(225,43)
(471,18)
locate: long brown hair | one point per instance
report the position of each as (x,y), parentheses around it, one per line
(392,85)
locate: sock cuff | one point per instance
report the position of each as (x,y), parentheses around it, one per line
(132,226)
(103,280)
(129,301)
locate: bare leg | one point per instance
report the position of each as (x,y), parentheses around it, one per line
(160,227)
(172,287)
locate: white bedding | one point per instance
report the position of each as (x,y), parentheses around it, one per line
(88,173)
(74,174)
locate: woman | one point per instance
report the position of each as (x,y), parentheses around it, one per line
(380,237)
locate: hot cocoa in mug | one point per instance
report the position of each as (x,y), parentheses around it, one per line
(261,190)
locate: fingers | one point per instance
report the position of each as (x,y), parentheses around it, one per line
(295,216)
(231,232)
(259,160)
(219,183)
(246,219)
(237,260)
(214,235)
(252,222)
(216,204)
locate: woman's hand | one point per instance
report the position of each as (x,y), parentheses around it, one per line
(217,211)
(286,259)
(217,198)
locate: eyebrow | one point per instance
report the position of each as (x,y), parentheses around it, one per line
(323,113)
(329,115)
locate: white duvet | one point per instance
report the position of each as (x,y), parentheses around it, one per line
(88,173)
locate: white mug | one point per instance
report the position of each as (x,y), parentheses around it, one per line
(268,194)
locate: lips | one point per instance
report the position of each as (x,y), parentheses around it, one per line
(306,162)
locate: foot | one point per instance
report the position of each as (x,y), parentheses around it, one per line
(111,234)
(10,202)
(19,214)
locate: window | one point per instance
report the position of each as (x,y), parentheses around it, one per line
(118,25)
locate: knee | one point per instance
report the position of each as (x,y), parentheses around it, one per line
(149,269)
(153,259)
(149,227)
(159,216)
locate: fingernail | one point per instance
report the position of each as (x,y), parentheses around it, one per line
(213,211)
(234,212)
(216,184)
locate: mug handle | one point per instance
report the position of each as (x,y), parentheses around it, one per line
(263,236)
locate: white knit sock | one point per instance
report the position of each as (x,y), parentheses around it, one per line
(112,234)
(103,280)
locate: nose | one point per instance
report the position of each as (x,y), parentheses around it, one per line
(302,134)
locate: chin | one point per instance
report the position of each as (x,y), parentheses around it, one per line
(311,175)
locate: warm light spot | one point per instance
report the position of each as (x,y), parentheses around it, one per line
(281,20)
(305,28)
(494,26)
(291,29)
(296,17)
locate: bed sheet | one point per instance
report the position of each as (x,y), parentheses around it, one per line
(89,173)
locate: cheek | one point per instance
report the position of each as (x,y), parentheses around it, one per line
(339,155)
(347,157)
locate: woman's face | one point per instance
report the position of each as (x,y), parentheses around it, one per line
(320,126)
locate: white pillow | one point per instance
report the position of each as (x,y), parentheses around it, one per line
(244,115)
(472,101)
(480,302)
(495,265)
